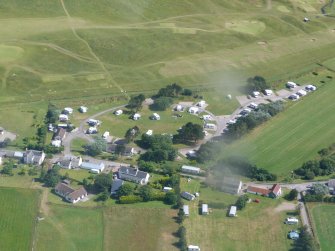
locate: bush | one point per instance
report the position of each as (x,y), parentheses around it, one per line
(242,201)
(162,103)
(130,199)
(187,92)
(170,198)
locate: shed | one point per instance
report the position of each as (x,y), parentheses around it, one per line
(232,211)
(204,209)
(186,210)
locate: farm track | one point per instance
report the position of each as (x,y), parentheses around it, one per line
(109,76)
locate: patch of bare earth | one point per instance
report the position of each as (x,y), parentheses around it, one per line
(285,206)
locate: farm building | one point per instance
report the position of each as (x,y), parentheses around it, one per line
(187,196)
(70,194)
(268,92)
(133,175)
(136,116)
(117,183)
(232,211)
(193,248)
(291,84)
(331,186)
(231,185)
(186,210)
(83,109)
(99,167)
(118,112)
(276,191)
(155,116)
(190,169)
(63,118)
(193,110)
(204,209)
(67,110)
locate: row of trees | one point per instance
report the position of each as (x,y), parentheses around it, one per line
(324,165)
(245,124)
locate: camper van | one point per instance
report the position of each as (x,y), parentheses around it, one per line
(291,221)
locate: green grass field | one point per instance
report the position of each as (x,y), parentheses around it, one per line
(294,136)
(19,208)
(322,215)
(250,230)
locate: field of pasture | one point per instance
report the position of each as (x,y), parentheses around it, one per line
(295,135)
(19,209)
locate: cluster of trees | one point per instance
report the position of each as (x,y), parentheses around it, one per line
(135,102)
(242,201)
(129,194)
(7,168)
(208,151)
(241,166)
(162,103)
(246,123)
(52,114)
(131,134)
(159,147)
(190,133)
(319,193)
(292,195)
(305,242)
(95,148)
(52,177)
(172,91)
(325,165)
(257,83)
(182,243)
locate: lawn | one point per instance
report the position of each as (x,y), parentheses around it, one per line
(250,230)
(19,208)
(294,136)
(138,229)
(70,228)
(324,222)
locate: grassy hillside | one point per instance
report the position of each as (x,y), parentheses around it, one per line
(322,215)
(18,212)
(294,136)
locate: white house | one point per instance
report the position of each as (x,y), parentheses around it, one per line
(255,94)
(190,169)
(187,196)
(63,118)
(301,93)
(68,110)
(232,211)
(149,132)
(201,103)
(155,116)
(210,126)
(118,112)
(291,84)
(193,248)
(92,130)
(193,110)
(186,210)
(133,175)
(70,194)
(204,209)
(93,166)
(136,116)
(83,109)
(268,92)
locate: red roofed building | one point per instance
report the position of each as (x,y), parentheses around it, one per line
(274,192)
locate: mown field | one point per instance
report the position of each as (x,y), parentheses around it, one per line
(114,48)
(18,210)
(250,230)
(295,135)
(323,219)
(111,228)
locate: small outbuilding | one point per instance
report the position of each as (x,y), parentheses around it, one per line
(232,211)
(186,210)
(204,209)
(187,196)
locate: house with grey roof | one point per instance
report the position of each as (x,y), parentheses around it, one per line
(96,167)
(190,169)
(70,162)
(117,183)
(33,157)
(187,196)
(331,186)
(133,175)
(70,194)
(231,185)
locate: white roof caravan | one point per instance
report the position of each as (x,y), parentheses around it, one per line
(291,221)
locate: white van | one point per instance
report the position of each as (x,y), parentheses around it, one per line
(291,221)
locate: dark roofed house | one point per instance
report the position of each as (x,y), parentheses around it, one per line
(70,194)
(117,183)
(127,150)
(134,175)
(231,185)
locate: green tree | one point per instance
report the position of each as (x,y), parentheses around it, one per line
(190,133)
(52,114)
(103,196)
(103,182)
(98,146)
(320,189)
(182,238)
(146,192)
(125,190)
(305,242)
(162,103)
(146,166)
(135,102)
(52,177)
(292,195)
(257,83)
(242,201)
(132,133)
(8,168)
(170,198)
